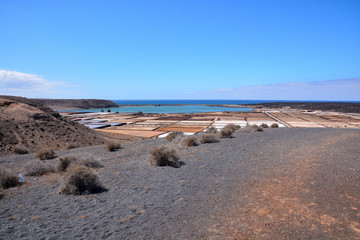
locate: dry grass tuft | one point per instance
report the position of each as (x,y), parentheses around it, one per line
(112,146)
(226,133)
(209,138)
(90,162)
(171,136)
(81,180)
(63,163)
(257,128)
(274,125)
(190,141)
(232,127)
(19,149)
(228,130)
(211,129)
(8,179)
(264,125)
(45,154)
(38,168)
(164,156)
(72,146)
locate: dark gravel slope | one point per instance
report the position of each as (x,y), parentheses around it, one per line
(280,184)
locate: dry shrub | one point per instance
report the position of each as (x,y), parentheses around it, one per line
(112,146)
(81,180)
(38,168)
(89,162)
(226,133)
(232,127)
(257,128)
(46,154)
(264,125)
(19,149)
(8,179)
(63,163)
(209,138)
(274,125)
(212,129)
(72,146)
(190,141)
(171,136)
(164,156)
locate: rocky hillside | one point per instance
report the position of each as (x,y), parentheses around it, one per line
(30,124)
(57,104)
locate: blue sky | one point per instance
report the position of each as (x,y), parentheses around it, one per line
(179,49)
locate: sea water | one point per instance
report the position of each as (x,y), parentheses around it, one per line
(180,106)
(166,109)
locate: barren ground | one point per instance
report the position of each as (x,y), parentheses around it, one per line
(288,183)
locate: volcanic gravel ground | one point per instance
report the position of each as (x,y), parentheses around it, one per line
(277,184)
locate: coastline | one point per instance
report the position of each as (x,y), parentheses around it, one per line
(295,106)
(255,105)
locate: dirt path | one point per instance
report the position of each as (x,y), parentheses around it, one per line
(315,197)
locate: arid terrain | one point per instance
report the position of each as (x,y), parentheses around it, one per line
(57,104)
(285,183)
(27,123)
(298,181)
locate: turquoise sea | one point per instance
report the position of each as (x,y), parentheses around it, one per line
(166,109)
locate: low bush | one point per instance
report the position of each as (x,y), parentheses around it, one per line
(38,168)
(209,138)
(226,133)
(8,179)
(264,125)
(211,129)
(113,146)
(232,127)
(164,156)
(19,149)
(81,180)
(89,162)
(72,146)
(190,141)
(63,163)
(257,128)
(45,154)
(274,125)
(171,136)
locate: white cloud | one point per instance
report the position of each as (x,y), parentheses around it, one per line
(25,84)
(341,90)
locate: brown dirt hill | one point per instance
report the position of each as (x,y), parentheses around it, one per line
(28,123)
(76,103)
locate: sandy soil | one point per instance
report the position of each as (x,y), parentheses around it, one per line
(279,184)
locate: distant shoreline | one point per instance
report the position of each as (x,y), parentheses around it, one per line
(307,106)
(344,107)
(82,104)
